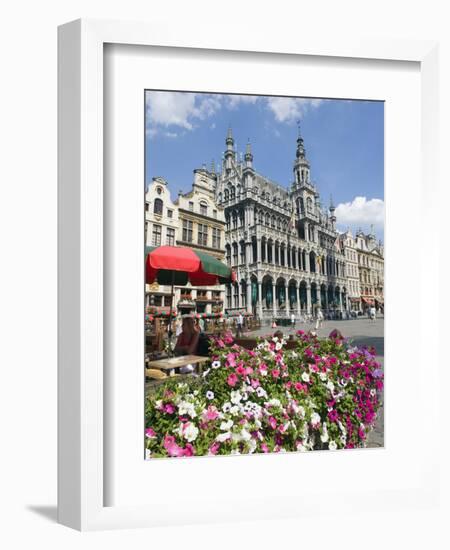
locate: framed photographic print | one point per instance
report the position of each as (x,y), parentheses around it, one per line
(234,313)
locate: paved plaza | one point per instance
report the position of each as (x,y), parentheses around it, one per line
(362,332)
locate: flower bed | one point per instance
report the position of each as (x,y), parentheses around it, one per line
(322,395)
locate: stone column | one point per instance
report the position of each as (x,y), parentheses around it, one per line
(340,300)
(274,298)
(260,299)
(307,266)
(249,296)
(306,226)
(258,249)
(297,292)
(308,298)
(273,252)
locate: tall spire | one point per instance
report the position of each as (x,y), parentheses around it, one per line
(332,208)
(248,155)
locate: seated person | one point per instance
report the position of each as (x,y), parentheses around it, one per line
(187,341)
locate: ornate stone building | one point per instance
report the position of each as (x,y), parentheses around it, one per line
(371,270)
(193,220)
(351,270)
(161,227)
(282,244)
(201,227)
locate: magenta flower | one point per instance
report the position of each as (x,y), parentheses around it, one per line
(150,433)
(171,446)
(211,413)
(169,408)
(232,380)
(276,373)
(231,360)
(264,448)
(214,449)
(272,422)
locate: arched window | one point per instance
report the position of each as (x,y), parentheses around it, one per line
(158,206)
(203,208)
(309,204)
(267,220)
(273,221)
(233,192)
(227,194)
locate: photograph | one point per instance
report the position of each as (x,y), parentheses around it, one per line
(264,274)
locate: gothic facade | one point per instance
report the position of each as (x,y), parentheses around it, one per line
(282,244)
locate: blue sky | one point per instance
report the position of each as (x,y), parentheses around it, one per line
(344,143)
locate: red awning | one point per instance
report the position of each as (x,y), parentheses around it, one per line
(367,301)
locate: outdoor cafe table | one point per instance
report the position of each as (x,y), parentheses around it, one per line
(172,363)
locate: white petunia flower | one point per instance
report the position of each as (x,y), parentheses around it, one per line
(189,432)
(148,454)
(305,377)
(332,446)
(324,437)
(235,397)
(209,394)
(226,407)
(274,402)
(235,410)
(323,376)
(184,407)
(330,385)
(223,437)
(315,419)
(215,364)
(278,346)
(225,426)
(261,392)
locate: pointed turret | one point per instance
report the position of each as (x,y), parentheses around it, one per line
(248,155)
(301,164)
(229,153)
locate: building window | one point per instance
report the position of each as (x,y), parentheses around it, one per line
(169,213)
(215,214)
(147,207)
(191,206)
(202,234)
(187,231)
(203,209)
(156,235)
(158,207)
(216,238)
(170,236)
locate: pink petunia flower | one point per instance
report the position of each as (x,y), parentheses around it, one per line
(150,433)
(211,413)
(232,380)
(272,422)
(214,449)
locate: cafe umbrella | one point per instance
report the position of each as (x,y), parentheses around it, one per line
(178,265)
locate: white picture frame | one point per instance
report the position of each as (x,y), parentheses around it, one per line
(81,421)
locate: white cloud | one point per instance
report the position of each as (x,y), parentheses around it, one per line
(361,212)
(290,109)
(233,101)
(180,109)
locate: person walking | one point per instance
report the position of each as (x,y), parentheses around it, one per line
(293,320)
(240,322)
(373,314)
(319,319)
